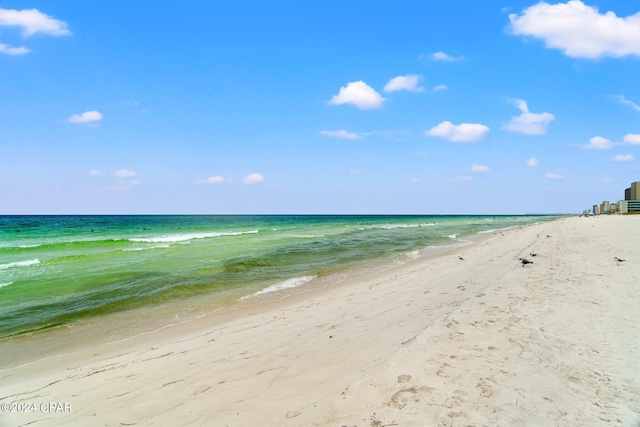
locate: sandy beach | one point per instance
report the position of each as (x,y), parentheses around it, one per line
(469,338)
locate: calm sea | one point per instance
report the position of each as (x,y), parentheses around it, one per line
(61,270)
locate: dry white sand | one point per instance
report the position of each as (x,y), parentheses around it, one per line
(481,341)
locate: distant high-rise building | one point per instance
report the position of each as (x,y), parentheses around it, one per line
(624,206)
(596,210)
(635,190)
(627,193)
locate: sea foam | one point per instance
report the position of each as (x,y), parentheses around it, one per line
(395,226)
(289,283)
(19,264)
(188,236)
(150,247)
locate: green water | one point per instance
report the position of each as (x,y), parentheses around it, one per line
(56,270)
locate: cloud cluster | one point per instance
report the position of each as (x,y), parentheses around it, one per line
(532,162)
(365,97)
(464,132)
(580,31)
(31,21)
(529,123)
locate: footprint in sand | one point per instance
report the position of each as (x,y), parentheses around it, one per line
(486,387)
(452,324)
(442,371)
(401,398)
(404,379)
(406,396)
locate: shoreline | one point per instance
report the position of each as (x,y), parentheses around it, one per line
(436,341)
(63,339)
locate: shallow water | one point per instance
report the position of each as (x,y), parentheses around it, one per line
(59,270)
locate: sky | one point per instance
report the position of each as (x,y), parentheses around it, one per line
(332,107)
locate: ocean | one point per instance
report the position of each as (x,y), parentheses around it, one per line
(58,271)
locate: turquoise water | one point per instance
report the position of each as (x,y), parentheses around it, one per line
(56,270)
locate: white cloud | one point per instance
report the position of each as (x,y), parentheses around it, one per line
(253,178)
(340,134)
(8,50)
(580,31)
(441,56)
(94,172)
(479,168)
(86,117)
(625,101)
(532,162)
(464,132)
(33,21)
(623,158)
(529,123)
(124,173)
(553,176)
(408,82)
(359,94)
(438,88)
(598,143)
(461,179)
(211,180)
(632,138)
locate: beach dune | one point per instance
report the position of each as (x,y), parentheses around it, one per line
(471,337)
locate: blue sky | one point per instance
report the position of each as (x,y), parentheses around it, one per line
(330,107)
